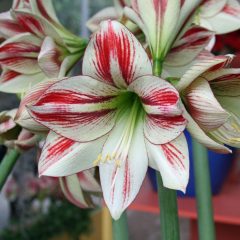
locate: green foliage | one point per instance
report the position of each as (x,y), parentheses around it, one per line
(61,218)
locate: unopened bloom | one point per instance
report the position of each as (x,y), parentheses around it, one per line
(118,117)
(44,49)
(210,90)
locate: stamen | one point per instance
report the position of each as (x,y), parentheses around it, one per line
(118,163)
(121,150)
(98,160)
(107,158)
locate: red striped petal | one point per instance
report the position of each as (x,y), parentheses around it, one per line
(121,181)
(37,25)
(188,47)
(45,9)
(9,27)
(172,161)
(79,108)
(157,95)
(50,58)
(162,129)
(205,62)
(31,97)
(204,107)
(14,82)
(62,156)
(115,56)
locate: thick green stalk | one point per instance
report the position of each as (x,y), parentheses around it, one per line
(167,197)
(168,211)
(120,228)
(206,228)
(7,165)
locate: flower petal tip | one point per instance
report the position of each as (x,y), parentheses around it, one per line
(116,213)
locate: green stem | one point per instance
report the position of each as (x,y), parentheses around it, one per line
(168,211)
(157,67)
(120,228)
(7,165)
(206,228)
(167,197)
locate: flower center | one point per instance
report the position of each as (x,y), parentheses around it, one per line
(120,152)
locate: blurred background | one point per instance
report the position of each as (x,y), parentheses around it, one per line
(34,209)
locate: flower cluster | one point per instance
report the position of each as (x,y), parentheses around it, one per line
(147,74)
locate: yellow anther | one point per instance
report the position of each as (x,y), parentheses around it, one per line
(98,160)
(107,158)
(114,155)
(118,163)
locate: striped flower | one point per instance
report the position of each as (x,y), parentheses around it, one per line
(172,39)
(210,90)
(42,49)
(116,116)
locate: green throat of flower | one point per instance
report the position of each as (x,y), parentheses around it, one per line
(129,115)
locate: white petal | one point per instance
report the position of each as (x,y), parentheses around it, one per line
(72,190)
(203,105)
(105,14)
(79,108)
(204,62)
(172,160)
(115,56)
(197,133)
(62,157)
(12,82)
(121,183)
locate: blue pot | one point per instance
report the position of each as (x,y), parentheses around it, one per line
(220,165)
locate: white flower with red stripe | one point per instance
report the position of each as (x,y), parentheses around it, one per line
(220,16)
(43,50)
(117,116)
(167,25)
(211,92)
(9,26)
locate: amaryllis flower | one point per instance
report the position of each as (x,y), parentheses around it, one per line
(44,50)
(82,189)
(10,27)
(168,30)
(118,117)
(12,135)
(220,16)
(210,91)
(113,13)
